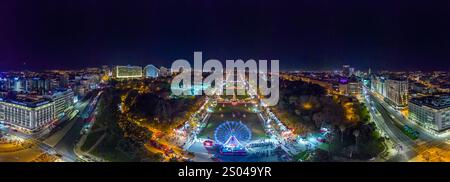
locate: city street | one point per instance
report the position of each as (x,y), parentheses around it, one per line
(404,145)
(390,121)
(66,145)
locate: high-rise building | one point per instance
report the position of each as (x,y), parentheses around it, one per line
(38,85)
(164,71)
(353,87)
(64,80)
(397,91)
(80,90)
(432,112)
(351,71)
(378,84)
(27,114)
(151,71)
(346,70)
(358,73)
(18,84)
(3,84)
(63,99)
(28,84)
(105,69)
(127,72)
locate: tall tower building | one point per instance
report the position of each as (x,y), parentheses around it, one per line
(397,91)
(346,70)
(151,71)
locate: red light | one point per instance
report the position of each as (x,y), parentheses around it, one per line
(208,143)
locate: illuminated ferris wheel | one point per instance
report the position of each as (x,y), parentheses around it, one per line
(232,129)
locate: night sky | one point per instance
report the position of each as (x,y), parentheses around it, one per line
(307,35)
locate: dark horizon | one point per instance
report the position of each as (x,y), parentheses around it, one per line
(319,35)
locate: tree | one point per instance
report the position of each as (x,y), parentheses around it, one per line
(356,134)
(342,128)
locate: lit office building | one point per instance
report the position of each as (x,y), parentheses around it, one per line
(63,99)
(397,91)
(163,71)
(3,84)
(27,114)
(353,87)
(432,112)
(378,84)
(35,84)
(16,84)
(346,70)
(63,80)
(127,72)
(351,71)
(151,71)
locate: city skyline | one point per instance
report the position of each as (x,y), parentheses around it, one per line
(318,35)
(224,81)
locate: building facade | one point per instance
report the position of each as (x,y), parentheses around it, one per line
(164,71)
(432,112)
(397,91)
(27,115)
(24,84)
(127,72)
(151,71)
(346,70)
(354,89)
(63,99)
(378,84)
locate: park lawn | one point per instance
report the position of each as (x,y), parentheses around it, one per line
(226,108)
(251,120)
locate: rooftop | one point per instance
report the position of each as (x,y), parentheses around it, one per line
(398,79)
(26,101)
(435,102)
(60,89)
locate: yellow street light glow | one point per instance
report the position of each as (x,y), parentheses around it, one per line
(307,106)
